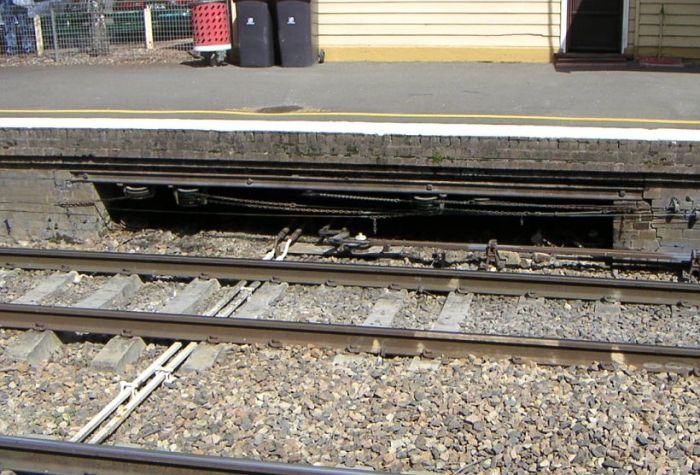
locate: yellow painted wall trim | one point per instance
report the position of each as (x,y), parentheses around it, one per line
(443,54)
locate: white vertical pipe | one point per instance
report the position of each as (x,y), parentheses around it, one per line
(38,36)
(148,26)
(563,24)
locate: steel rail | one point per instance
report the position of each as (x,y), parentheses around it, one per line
(422,279)
(376,340)
(24,454)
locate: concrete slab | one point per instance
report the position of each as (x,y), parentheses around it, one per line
(385,309)
(6,275)
(607,310)
(245,292)
(454,311)
(50,286)
(309,249)
(118,353)
(202,358)
(524,307)
(193,297)
(118,288)
(685,312)
(259,303)
(423,364)
(229,294)
(35,347)
(351,359)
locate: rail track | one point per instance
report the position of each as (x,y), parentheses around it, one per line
(380,340)
(23,454)
(429,280)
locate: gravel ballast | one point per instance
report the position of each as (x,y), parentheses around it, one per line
(469,415)
(58,398)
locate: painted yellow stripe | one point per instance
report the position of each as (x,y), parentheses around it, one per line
(340,114)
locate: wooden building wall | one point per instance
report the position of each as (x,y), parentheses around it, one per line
(680,34)
(439,30)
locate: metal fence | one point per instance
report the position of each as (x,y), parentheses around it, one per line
(94,28)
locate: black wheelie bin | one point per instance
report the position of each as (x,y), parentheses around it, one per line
(295,38)
(255,34)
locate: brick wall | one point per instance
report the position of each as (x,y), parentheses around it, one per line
(504,153)
(622,161)
(37,205)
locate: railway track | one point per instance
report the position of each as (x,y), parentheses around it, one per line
(23,454)
(367,338)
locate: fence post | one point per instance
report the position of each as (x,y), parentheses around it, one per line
(54,34)
(38,36)
(148,26)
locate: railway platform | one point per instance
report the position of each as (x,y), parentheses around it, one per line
(521,131)
(473,93)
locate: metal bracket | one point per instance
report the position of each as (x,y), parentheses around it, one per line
(692,214)
(493,257)
(693,268)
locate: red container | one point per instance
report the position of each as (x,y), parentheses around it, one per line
(211,26)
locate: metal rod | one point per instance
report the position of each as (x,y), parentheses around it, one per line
(124,394)
(160,375)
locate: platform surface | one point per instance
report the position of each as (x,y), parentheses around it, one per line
(463,93)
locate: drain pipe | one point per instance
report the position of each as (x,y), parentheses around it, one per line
(661,31)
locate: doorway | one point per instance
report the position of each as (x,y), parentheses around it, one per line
(594,26)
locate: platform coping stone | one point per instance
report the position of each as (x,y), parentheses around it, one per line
(608,310)
(118,353)
(118,288)
(35,347)
(260,302)
(454,311)
(49,287)
(193,297)
(202,358)
(385,309)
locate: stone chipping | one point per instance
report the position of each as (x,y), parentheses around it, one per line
(470,415)
(58,398)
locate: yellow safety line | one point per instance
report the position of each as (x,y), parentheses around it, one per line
(383,115)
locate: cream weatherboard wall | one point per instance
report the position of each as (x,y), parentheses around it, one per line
(675,31)
(438,30)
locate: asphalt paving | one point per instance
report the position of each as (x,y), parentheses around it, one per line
(475,93)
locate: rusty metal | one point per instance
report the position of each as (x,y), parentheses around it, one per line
(669,257)
(30,455)
(429,280)
(385,341)
(355,184)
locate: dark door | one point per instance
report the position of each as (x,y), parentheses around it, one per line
(594,26)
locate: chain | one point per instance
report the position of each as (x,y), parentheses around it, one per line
(87,204)
(584,207)
(361,198)
(260,204)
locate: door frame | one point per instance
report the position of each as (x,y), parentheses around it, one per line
(564,24)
